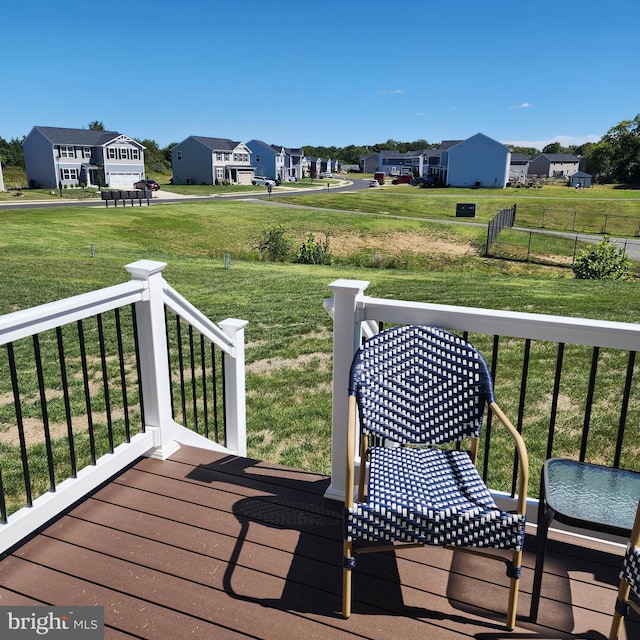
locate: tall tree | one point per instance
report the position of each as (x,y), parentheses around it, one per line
(554,147)
(96,125)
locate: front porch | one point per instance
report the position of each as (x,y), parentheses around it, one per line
(207,545)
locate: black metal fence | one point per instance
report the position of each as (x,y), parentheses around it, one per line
(502,220)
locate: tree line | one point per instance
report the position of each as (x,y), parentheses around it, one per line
(615,158)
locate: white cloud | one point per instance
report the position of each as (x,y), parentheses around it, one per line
(391,92)
(421,114)
(524,105)
(565,141)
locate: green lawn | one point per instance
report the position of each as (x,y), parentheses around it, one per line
(47,255)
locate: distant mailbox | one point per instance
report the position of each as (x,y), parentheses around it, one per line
(465,210)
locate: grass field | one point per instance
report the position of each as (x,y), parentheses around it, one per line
(47,256)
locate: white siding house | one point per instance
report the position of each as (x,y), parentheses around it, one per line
(478,161)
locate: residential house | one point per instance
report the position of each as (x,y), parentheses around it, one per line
(392,162)
(293,163)
(554,165)
(478,161)
(314,166)
(268,159)
(369,163)
(519,168)
(1,179)
(275,161)
(60,157)
(201,160)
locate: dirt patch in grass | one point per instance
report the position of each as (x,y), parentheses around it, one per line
(270,364)
(397,243)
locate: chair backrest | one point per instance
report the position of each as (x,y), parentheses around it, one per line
(420,385)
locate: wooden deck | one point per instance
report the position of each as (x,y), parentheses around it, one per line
(212,547)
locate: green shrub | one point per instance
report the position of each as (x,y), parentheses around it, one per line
(312,252)
(604,261)
(274,244)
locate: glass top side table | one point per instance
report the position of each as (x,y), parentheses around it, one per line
(584,495)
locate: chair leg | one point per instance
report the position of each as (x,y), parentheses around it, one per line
(346,580)
(623,596)
(514,587)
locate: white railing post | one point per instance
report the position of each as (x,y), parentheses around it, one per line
(154,368)
(346,341)
(235,392)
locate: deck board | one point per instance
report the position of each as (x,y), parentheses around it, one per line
(209,546)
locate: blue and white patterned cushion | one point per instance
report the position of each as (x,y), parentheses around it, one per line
(431,496)
(420,385)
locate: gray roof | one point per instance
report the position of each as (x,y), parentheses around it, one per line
(561,157)
(81,137)
(217,144)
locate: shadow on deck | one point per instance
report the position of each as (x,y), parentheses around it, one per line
(207,546)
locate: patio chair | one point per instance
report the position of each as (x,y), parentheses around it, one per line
(629,580)
(414,388)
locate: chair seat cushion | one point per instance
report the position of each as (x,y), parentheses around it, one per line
(431,496)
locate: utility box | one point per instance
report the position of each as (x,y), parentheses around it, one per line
(465,210)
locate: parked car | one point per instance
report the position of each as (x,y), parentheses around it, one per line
(261,180)
(424,181)
(146,184)
(326,174)
(406,179)
(374,183)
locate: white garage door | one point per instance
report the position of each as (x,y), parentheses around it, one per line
(122,180)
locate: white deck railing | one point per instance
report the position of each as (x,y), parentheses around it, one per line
(161,435)
(356,315)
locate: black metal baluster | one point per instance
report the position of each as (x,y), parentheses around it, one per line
(224,399)
(214,382)
(487,441)
(589,402)
(138,371)
(67,404)
(23,443)
(87,391)
(205,406)
(181,369)
(105,382)
(123,377)
(520,418)
(194,393)
(624,409)
(45,412)
(554,401)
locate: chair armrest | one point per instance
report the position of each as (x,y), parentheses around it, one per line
(523,457)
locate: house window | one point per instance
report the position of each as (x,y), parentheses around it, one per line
(67,152)
(219,173)
(178,155)
(111,153)
(86,152)
(69,174)
(135,154)
(219,157)
(227,156)
(235,157)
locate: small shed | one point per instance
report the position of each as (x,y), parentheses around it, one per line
(580,180)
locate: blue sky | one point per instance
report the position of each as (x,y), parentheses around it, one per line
(322,73)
